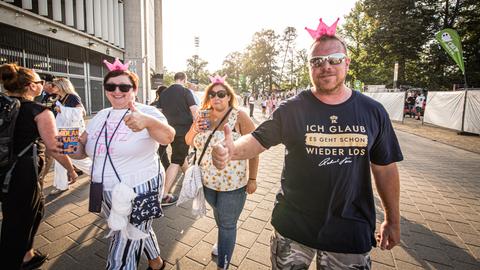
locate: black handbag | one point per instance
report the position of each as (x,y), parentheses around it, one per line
(95,197)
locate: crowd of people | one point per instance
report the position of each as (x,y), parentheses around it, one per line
(267,102)
(325,207)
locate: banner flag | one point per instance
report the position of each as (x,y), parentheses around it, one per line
(450,41)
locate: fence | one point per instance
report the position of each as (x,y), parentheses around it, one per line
(458,110)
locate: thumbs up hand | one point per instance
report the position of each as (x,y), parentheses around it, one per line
(223,151)
(135,120)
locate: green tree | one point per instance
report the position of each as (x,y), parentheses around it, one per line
(233,68)
(358,30)
(301,71)
(399,35)
(260,66)
(196,69)
(168,77)
(380,33)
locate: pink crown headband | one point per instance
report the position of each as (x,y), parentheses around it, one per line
(323,30)
(217,79)
(117,65)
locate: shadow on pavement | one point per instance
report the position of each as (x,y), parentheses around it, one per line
(422,248)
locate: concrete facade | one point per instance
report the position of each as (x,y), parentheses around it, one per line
(92,30)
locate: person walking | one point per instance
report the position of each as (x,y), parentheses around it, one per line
(178,105)
(333,137)
(251,103)
(162,149)
(23,204)
(225,190)
(410,100)
(419,105)
(264,106)
(108,140)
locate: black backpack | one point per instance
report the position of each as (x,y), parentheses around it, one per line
(9,109)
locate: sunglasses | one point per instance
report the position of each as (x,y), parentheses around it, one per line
(110,87)
(332,59)
(41,82)
(219,94)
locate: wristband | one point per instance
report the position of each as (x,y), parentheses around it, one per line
(253,179)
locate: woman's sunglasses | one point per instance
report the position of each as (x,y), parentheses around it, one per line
(332,59)
(110,87)
(219,94)
(41,82)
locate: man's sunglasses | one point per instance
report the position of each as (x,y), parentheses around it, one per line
(219,94)
(332,59)
(110,87)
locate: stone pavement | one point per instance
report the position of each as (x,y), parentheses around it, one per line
(440,208)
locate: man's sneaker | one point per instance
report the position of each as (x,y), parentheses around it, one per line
(215,250)
(169,199)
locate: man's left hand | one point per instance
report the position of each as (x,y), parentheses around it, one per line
(389,235)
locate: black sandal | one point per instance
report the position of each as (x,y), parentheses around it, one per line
(161,268)
(35,262)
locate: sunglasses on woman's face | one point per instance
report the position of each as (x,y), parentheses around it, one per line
(110,87)
(332,59)
(219,94)
(41,82)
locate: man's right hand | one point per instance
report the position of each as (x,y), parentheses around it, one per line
(223,151)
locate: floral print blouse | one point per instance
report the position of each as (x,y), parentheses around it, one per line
(234,175)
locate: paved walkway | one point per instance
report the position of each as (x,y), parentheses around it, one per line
(440,208)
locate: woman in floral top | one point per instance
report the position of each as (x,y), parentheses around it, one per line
(225,190)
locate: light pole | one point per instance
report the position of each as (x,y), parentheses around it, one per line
(196,42)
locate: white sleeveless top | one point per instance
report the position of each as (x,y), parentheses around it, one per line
(234,175)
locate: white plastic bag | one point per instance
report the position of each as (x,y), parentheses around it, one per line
(192,188)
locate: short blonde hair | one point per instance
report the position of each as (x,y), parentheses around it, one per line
(206,98)
(64,85)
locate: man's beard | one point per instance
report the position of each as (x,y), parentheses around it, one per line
(327,90)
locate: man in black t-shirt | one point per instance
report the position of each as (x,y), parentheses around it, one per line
(178,105)
(333,136)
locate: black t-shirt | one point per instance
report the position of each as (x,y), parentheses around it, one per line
(26,130)
(71,100)
(175,102)
(326,200)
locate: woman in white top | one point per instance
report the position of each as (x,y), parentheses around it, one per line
(122,142)
(224,190)
(70,114)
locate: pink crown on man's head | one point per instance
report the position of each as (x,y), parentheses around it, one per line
(323,30)
(217,79)
(117,65)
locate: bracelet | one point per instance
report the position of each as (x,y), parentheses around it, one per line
(253,179)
